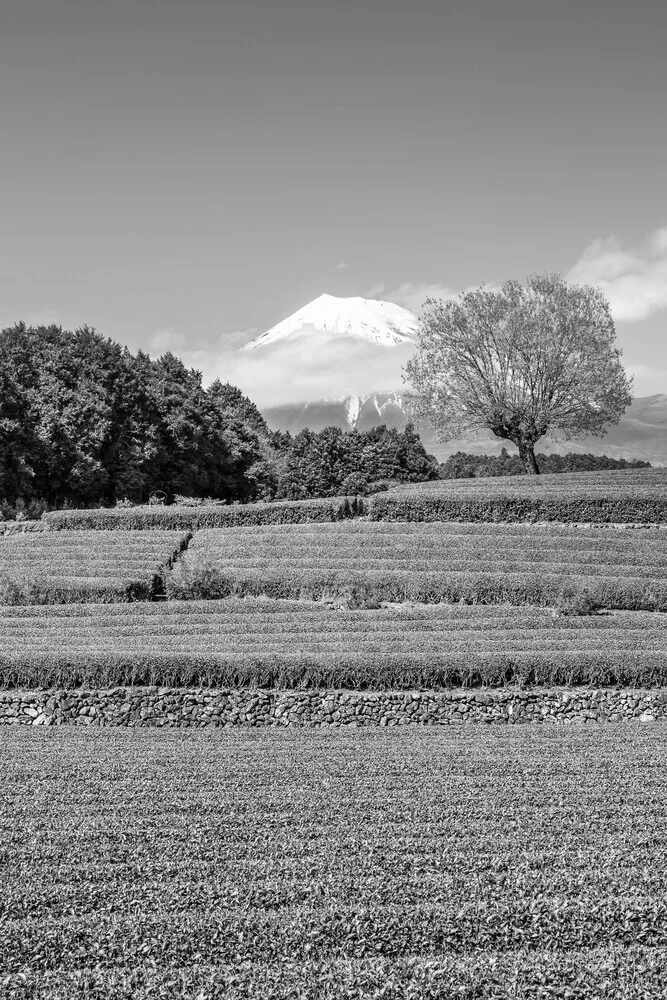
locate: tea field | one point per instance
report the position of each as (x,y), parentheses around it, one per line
(427,562)
(624,496)
(264,643)
(404,864)
(411,861)
(53,566)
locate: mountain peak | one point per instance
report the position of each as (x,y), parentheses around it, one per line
(382,323)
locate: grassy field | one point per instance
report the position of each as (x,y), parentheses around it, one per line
(410,864)
(264,643)
(427,562)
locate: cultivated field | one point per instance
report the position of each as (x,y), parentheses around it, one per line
(255,643)
(633,495)
(406,864)
(446,561)
(410,862)
(59,566)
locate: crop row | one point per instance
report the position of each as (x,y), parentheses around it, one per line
(503,861)
(248,643)
(49,567)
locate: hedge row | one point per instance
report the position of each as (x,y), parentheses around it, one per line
(194,518)
(332,667)
(369,588)
(285,616)
(362,544)
(433,864)
(452,504)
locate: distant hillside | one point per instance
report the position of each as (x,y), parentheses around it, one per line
(641,433)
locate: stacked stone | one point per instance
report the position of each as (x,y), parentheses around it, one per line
(178,707)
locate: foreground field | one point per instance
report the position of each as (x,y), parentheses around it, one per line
(264,643)
(474,563)
(421,864)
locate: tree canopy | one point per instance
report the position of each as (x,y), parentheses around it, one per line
(82,420)
(521,362)
(333,462)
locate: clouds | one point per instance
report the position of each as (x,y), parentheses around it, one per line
(634,280)
(413,294)
(316,365)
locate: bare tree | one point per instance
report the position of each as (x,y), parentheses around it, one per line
(522,362)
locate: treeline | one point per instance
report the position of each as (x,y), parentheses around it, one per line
(84,422)
(465,466)
(333,462)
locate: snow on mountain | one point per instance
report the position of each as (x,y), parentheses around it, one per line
(377,322)
(352,409)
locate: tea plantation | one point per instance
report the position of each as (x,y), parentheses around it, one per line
(277,850)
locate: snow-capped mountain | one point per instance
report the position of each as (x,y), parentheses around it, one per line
(382,323)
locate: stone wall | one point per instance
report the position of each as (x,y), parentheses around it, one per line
(180,707)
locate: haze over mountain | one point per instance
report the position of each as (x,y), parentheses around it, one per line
(356,347)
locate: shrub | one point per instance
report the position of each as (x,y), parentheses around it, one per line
(573,600)
(253,643)
(53,567)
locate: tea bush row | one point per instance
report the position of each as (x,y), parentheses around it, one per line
(371,563)
(448,503)
(192,518)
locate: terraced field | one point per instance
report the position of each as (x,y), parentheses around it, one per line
(243,643)
(427,562)
(61,566)
(610,496)
(417,861)
(403,864)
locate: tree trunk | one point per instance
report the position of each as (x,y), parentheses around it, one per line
(527,456)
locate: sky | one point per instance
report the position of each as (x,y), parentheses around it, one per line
(183,176)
